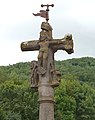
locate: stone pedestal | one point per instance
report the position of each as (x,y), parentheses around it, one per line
(46,100)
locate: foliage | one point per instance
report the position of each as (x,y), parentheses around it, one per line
(18,101)
(75,101)
(82,69)
(75,97)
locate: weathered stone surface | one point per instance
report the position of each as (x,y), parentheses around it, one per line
(46,100)
(56,44)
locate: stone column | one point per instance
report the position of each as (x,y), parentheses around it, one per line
(46,101)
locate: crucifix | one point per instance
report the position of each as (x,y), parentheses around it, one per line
(44,75)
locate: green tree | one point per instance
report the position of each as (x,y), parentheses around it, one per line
(18,101)
(75,101)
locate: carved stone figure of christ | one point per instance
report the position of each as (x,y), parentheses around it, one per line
(44,41)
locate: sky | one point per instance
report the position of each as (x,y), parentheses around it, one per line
(17,24)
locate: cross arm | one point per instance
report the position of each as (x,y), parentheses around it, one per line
(30,45)
(62,44)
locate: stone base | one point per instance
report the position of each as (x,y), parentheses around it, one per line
(46,111)
(46,101)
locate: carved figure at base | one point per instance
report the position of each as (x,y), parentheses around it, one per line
(34,74)
(55,76)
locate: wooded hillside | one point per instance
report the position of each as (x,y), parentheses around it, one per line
(75,97)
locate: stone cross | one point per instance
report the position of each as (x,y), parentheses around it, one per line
(44,75)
